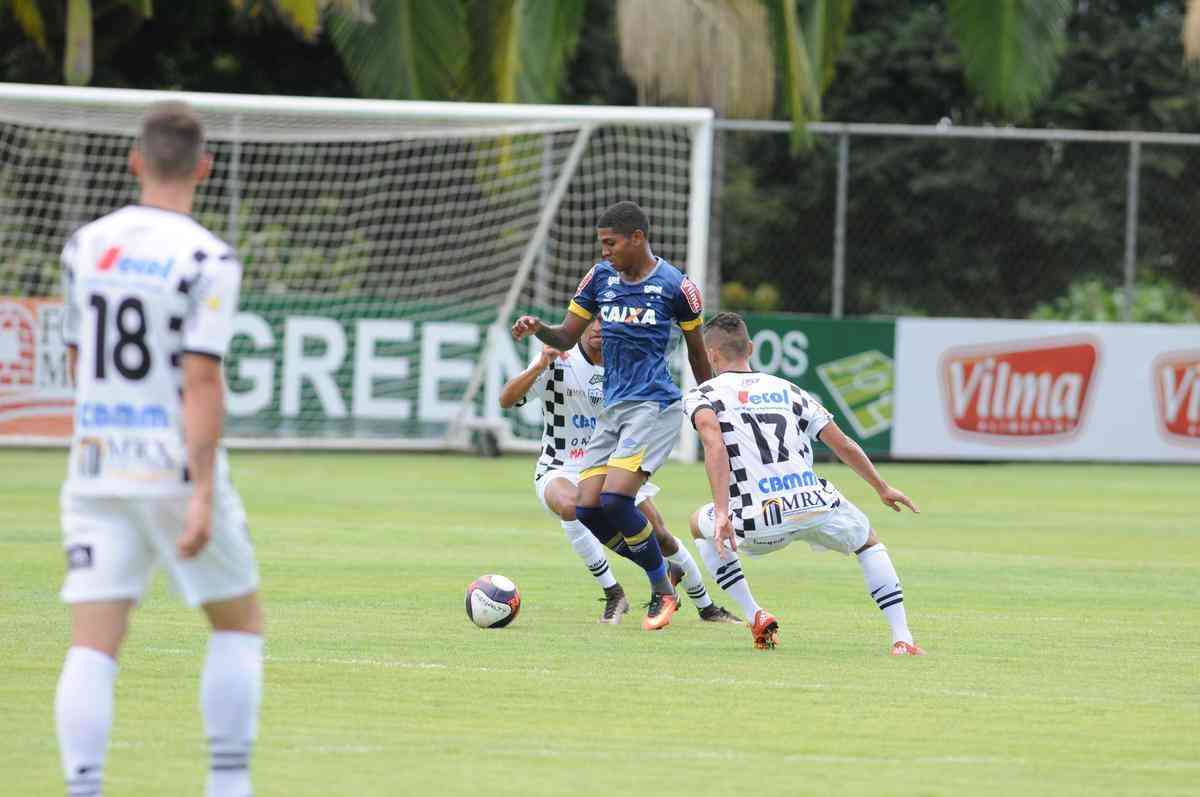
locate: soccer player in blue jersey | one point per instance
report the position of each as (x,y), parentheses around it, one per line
(638,297)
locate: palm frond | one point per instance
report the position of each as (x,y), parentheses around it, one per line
(1191,31)
(828,23)
(145,8)
(29,18)
(801,92)
(77,60)
(1010,48)
(303,16)
(415,49)
(520,48)
(699,52)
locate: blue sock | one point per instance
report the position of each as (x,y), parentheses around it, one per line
(597,523)
(624,517)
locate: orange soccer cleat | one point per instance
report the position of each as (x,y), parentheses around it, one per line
(903,648)
(659,611)
(765,630)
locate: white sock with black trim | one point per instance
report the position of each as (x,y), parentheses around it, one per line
(230,693)
(693,582)
(884,587)
(728,575)
(589,549)
(83,713)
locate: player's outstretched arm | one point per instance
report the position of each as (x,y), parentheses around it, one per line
(698,355)
(561,337)
(519,385)
(716,465)
(203,411)
(852,454)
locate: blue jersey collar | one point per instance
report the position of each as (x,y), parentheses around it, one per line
(658,261)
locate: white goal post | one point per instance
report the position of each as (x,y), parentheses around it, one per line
(387,248)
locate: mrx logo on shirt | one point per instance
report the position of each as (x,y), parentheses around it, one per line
(628,315)
(131,265)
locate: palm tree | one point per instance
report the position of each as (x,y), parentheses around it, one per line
(1010,51)
(487,50)
(302,15)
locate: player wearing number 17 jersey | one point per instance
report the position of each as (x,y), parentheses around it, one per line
(758,432)
(150,297)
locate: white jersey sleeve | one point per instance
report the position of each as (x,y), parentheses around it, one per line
(213,301)
(811,415)
(539,385)
(71,314)
(697,399)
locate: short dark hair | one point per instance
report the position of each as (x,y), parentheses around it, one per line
(726,332)
(171,140)
(624,218)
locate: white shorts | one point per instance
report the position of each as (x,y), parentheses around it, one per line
(844,529)
(113,545)
(539,485)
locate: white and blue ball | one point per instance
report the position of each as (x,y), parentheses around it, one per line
(493,601)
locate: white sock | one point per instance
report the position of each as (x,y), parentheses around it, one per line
(590,551)
(692,580)
(728,575)
(83,711)
(230,691)
(884,586)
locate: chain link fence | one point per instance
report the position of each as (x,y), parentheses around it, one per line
(967,222)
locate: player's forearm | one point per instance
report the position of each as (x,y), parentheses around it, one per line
(716,465)
(852,454)
(203,412)
(555,337)
(519,385)
(701,368)
(73,363)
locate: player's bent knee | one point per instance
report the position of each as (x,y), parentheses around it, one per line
(694,521)
(567,511)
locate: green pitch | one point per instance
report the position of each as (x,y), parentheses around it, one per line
(1060,606)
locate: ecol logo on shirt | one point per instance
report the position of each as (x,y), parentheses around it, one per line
(130,265)
(1176,378)
(1019,389)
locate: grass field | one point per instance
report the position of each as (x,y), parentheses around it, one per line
(1060,606)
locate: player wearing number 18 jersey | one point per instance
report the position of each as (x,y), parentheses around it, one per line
(758,432)
(150,297)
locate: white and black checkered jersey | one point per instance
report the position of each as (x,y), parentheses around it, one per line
(571,391)
(768,425)
(141,287)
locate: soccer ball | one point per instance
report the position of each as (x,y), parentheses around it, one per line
(492,601)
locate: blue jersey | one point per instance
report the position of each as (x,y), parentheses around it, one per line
(635,322)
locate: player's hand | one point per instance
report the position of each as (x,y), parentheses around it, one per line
(526,325)
(723,535)
(197,527)
(549,355)
(894,498)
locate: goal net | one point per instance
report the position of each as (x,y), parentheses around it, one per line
(387,247)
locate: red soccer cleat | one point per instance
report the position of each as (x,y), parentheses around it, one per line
(903,648)
(661,607)
(765,630)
